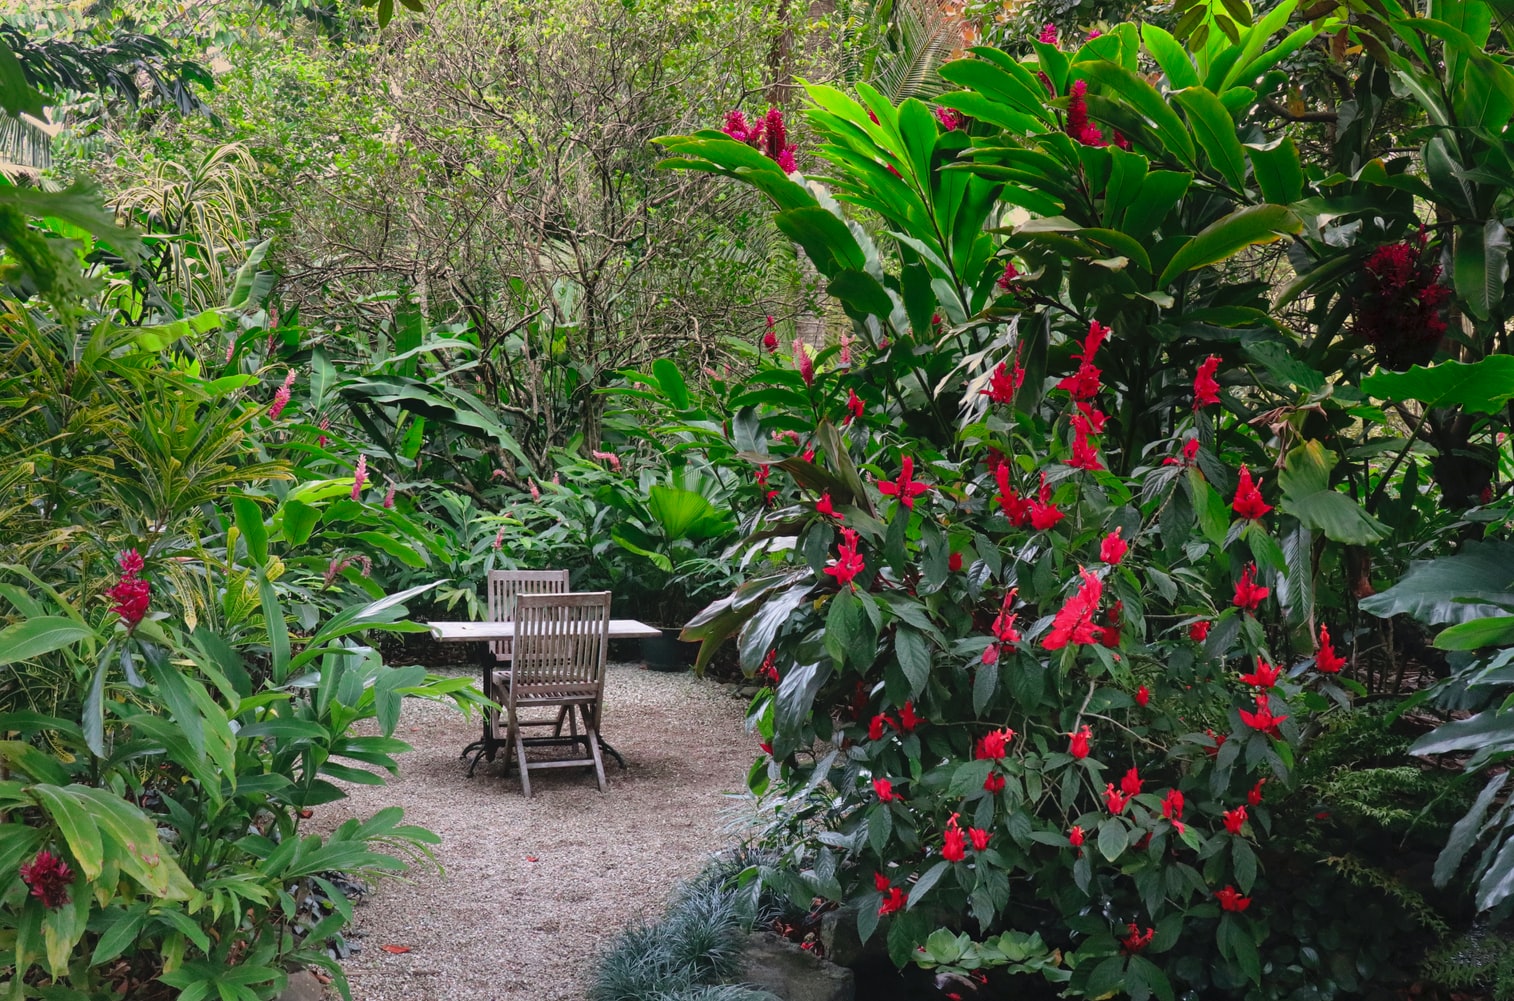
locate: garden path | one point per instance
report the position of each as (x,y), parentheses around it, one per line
(533,889)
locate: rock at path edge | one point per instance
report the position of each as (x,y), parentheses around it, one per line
(778,965)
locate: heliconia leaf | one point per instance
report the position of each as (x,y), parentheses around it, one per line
(1226,237)
(1480,387)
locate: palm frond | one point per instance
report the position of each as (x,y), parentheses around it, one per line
(922,35)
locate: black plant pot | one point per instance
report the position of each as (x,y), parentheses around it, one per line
(667,652)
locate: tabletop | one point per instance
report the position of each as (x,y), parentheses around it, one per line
(479,632)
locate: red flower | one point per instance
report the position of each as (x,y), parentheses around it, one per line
(954,562)
(1248,594)
(1142,696)
(1231,900)
(1049,34)
(1078,126)
(1114,799)
(1084,383)
(768,672)
(894,900)
(1172,805)
(949,119)
(1084,454)
(804,363)
(905,487)
(993,745)
(823,506)
(1262,719)
(994,782)
(1078,745)
(875,729)
(770,337)
(49,877)
(1264,677)
(953,845)
(1113,549)
(885,790)
(1327,660)
(1219,742)
(1234,819)
(1190,450)
(1205,389)
(881,882)
(1400,309)
(1004,383)
(1003,628)
(1136,940)
(1248,501)
(1016,508)
(908,720)
(853,406)
(848,562)
(979,838)
(1254,796)
(1199,631)
(1131,782)
(1075,836)
(1006,283)
(130,595)
(1043,513)
(1074,620)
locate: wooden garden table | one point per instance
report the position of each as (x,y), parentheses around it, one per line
(484,633)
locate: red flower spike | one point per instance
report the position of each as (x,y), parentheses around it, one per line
(885,790)
(1078,745)
(1254,796)
(1199,631)
(824,506)
(848,562)
(1235,819)
(1248,501)
(994,744)
(1049,34)
(1206,390)
(954,562)
(1136,940)
(130,596)
(1006,284)
(1327,660)
(881,882)
(48,877)
(908,720)
(953,844)
(1075,836)
(905,488)
(1113,549)
(1115,800)
(1078,126)
(1249,594)
(1264,677)
(979,838)
(994,782)
(1142,696)
(1131,782)
(875,729)
(1172,805)
(853,407)
(1074,620)
(893,901)
(1262,720)
(1083,384)
(1016,508)
(1003,384)
(1190,450)
(1043,513)
(1219,742)
(770,337)
(1231,900)
(804,363)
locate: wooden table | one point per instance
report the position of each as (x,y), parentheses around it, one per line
(484,633)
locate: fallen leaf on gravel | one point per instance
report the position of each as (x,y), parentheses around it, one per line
(530,858)
(396,949)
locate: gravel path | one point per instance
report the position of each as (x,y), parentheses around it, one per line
(499,925)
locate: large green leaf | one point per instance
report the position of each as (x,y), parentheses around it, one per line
(1496,630)
(1482,267)
(1226,237)
(1305,480)
(1278,171)
(1481,386)
(1215,130)
(35,637)
(1475,583)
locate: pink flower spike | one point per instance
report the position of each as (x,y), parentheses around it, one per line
(359,476)
(804,363)
(281,397)
(610,457)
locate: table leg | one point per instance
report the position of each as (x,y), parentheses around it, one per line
(486,745)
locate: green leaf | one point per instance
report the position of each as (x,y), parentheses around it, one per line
(1226,237)
(1215,130)
(671,382)
(1113,838)
(1141,96)
(914,658)
(1490,729)
(1472,584)
(1170,55)
(1481,268)
(76,825)
(927,879)
(35,637)
(1464,833)
(1497,630)
(299,520)
(249,519)
(1480,387)
(825,239)
(1307,496)
(1278,171)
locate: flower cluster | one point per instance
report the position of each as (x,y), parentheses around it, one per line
(48,877)
(1400,309)
(1079,127)
(131,594)
(767,134)
(281,396)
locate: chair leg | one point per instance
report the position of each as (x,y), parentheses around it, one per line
(520,753)
(593,739)
(563,714)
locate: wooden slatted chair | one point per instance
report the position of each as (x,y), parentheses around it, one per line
(504,587)
(559,662)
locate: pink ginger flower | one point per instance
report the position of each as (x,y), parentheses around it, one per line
(281,396)
(48,877)
(804,363)
(950,119)
(499,474)
(846,349)
(535,490)
(130,595)
(610,457)
(359,476)
(1049,34)
(389,496)
(499,538)
(325,425)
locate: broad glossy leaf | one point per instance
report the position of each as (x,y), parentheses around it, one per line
(1215,131)
(1481,386)
(35,637)
(1469,585)
(1226,237)
(1482,267)
(1307,495)
(1496,630)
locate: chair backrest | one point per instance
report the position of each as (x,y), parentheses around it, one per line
(505,585)
(560,643)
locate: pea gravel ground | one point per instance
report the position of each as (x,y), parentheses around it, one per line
(497,925)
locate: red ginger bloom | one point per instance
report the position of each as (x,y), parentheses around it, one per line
(824,506)
(1231,900)
(1043,513)
(1078,126)
(1234,819)
(130,595)
(1249,594)
(1084,383)
(1262,720)
(770,337)
(875,729)
(1075,836)
(1206,389)
(1077,746)
(49,877)
(1004,383)
(1199,631)
(1327,660)
(1264,677)
(1248,501)
(994,744)
(954,562)
(1074,620)
(1254,795)
(853,406)
(1049,34)
(848,562)
(953,845)
(1142,696)
(1136,940)
(281,396)
(804,363)
(950,120)
(885,790)
(1399,311)
(905,487)
(979,838)
(994,782)
(1113,549)
(908,719)
(1006,280)
(1115,800)
(1131,782)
